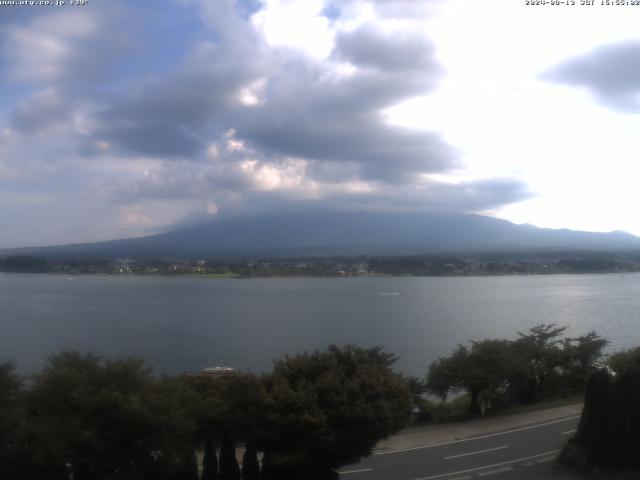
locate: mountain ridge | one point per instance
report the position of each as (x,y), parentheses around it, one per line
(342,233)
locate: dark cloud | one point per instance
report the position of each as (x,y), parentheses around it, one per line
(478,195)
(169,117)
(315,114)
(236,191)
(177,134)
(180,180)
(307,109)
(435,196)
(391,52)
(72,49)
(40,111)
(176,114)
(611,72)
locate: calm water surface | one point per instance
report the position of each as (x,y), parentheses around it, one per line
(184,323)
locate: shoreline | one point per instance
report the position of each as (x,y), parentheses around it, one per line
(232,276)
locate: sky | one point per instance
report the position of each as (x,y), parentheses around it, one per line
(124,118)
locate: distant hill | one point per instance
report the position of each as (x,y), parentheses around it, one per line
(343,233)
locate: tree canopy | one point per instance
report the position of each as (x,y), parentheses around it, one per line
(609,430)
(538,364)
(113,419)
(105,418)
(330,408)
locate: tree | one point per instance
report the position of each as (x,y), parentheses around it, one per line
(483,371)
(419,405)
(327,409)
(584,351)
(11,420)
(24,264)
(171,404)
(250,465)
(627,361)
(609,430)
(539,363)
(230,410)
(580,356)
(187,468)
(209,416)
(89,414)
(229,468)
(210,460)
(106,418)
(543,354)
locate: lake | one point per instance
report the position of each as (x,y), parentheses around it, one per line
(181,324)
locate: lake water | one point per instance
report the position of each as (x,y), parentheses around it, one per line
(184,323)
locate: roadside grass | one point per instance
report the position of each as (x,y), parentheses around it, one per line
(548,403)
(457,409)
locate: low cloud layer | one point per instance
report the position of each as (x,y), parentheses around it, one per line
(227,121)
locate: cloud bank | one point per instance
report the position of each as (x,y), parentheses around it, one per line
(110,130)
(611,72)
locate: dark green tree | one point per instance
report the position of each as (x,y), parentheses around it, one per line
(187,467)
(609,430)
(90,414)
(483,371)
(542,352)
(210,460)
(229,468)
(12,442)
(419,405)
(105,418)
(231,410)
(24,264)
(209,416)
(627,361)
(584,351)
(250,465)
(538,364)
(327,409)
(172,404)
(580,357)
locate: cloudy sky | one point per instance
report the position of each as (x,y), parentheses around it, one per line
(124,118)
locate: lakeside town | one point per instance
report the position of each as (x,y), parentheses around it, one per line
(415,265)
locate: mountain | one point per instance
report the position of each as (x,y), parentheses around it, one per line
(343,233)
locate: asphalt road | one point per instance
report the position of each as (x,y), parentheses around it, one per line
(508,454)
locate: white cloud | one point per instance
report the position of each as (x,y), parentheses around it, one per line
(296,24)
(40,50)
(289,174)
(307,117)
(252,94)
(505,119)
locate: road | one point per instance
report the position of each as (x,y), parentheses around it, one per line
(516,453)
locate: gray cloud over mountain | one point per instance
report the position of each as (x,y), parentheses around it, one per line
(611,72)
(232,121)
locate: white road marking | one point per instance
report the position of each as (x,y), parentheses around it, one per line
(568,432)
(477,452)
(515,460)
(495,472)
(355,471)
(477,438)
